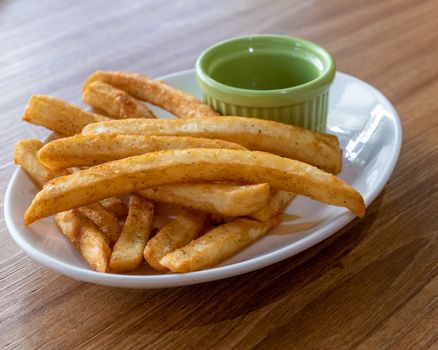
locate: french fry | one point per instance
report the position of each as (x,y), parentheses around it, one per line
(107,222)
(191,165)
(115,205)
(179,103)
(58,115)
(255,134)
(277,202)
(25,154)
(217,244)
(92,243)
(217,198)
(174,235)
(127,253)
(114,102)
(69,223)
(80,150)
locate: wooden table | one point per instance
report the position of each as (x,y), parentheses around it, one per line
(373,285)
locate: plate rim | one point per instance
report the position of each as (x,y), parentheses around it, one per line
(215,273)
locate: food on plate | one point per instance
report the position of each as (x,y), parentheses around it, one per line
(321,150)
(176,234)
(127,253)
(116,206)
(114,102)
(82,150)
(179,103)
(191,165)
(277,202)
(229,178)
(217,198)
(217,244)
(25,154)
(58,115)
(91,242)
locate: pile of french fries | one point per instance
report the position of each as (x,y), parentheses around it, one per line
(229,177)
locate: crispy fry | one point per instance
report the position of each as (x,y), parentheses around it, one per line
(82,150)
(255,134)
(58,115)
(191,165)
(128,251)
(25,154)
(69,223)
(221,199)
(114,102)
(115,205)
(107,222)
(174,235)
(277,202)
(92,243)
(217,244)
(156,92)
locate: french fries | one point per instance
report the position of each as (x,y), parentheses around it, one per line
(277,202)
(174,235)
(237,174)
(107,222)
(115,205)
(114,102)
(81,150)
(191,165)
(127,253)
(217,244)
(58,115)
(25,154)
(179,103)
(217,198)
(69,223)
(255,134)
(89,239)
(92,243)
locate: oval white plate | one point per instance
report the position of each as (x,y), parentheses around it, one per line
(370,135)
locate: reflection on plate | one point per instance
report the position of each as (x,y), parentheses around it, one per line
(369,131)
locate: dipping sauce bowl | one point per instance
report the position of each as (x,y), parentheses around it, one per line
(273,77)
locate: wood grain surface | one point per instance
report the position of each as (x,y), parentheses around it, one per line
(373,285)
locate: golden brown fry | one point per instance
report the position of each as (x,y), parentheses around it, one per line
(92,243)
(220,199)
(69,223)
(115,205)
(82,150)
(191,165)
(217,244)
(104,220)
(128,251)
(25,154)
(114,102)
(277,202)
(174,235)
(58,115)
(156,92)
(255,134)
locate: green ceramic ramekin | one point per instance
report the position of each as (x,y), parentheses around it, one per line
(272,77)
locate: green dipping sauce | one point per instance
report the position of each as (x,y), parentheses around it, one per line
(270,77)
(261,70)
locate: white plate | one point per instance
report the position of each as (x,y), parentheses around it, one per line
(370,135)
